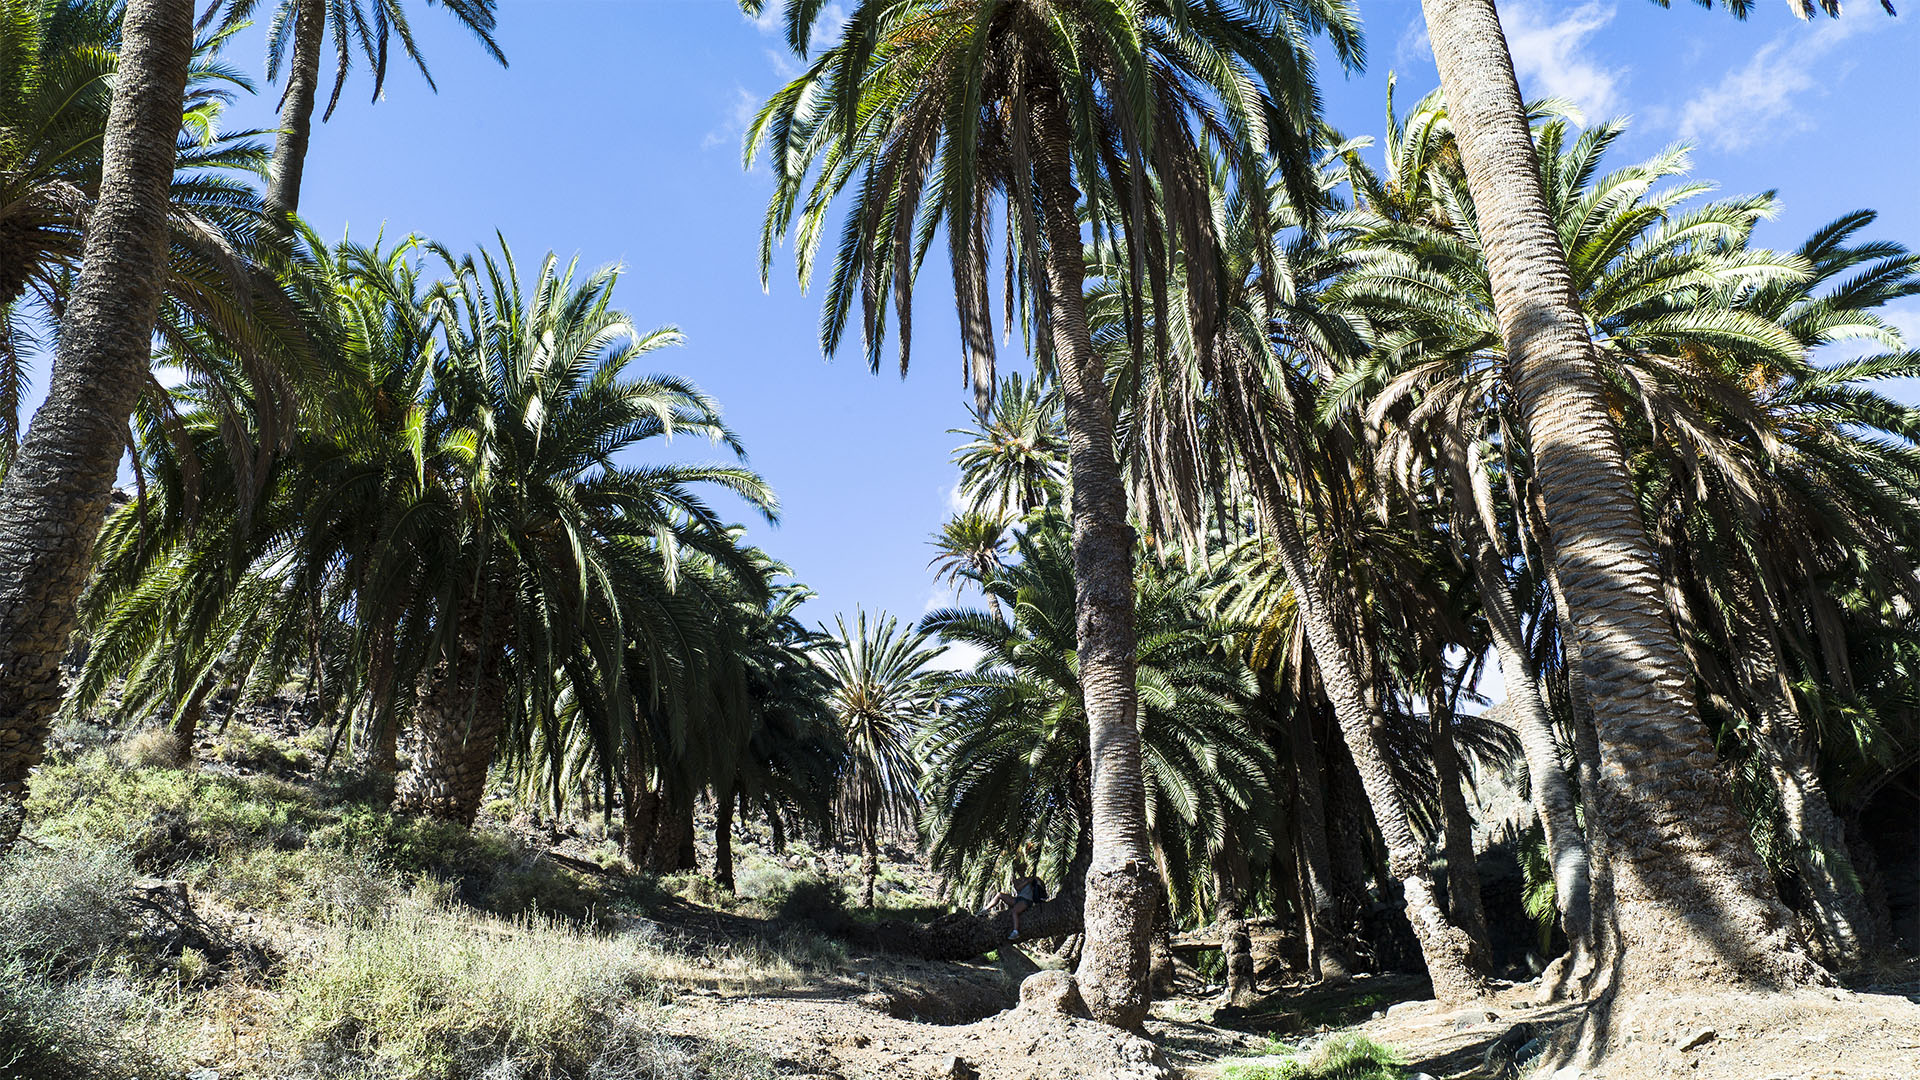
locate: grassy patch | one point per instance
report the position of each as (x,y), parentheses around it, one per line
(428,992)
(291,848)
(78,998)
(1341,1056)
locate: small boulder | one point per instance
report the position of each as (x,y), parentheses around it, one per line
(1052,993)
(957,1068)
(1472,1018)
(1697,1039)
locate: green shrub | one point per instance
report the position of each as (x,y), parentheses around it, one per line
(1341,1056)
(100,1027)
(816,902)
(70,1005)
(63,911)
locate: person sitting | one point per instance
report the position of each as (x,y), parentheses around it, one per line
(1029,892)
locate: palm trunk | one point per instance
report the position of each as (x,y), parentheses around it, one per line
(1464,906)
(1602,914)
(459,722)
(1449,953)
(639,819)
(1325,954)
(1695,901)
(187,723)
(55,493)
(1547,780)
(869,866)
(296,108)
(1122,886)
(1230,884)
(723,841)
(1841,918)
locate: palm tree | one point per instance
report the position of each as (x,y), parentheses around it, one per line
(54,496)
(1015,458)
(372,25)
(1031,106)
(882,694)
(969,547)
(1008,768)
(1688,881)
(57,60)
(532,401)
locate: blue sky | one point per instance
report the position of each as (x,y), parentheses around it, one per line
(615,135)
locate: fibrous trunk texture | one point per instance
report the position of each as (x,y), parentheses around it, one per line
(458,722)
(1448,951)
(1325,952)
(723,842)
(1122,885)
(1695,902)
(1550,787)
(55,494)
(1230,883)
(1464,907)
(869,865)
(296,108)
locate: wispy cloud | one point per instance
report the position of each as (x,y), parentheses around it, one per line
(733,127)
(960,656)
(1550,50)
(1762,98)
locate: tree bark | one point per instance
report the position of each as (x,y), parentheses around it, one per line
(459,721)
(723,841)
(1323,923)
(1447,950)
(1122,885)
(55,493)
(869,866)
(187,723)
(1464,907)
(639,819)
(1696,903)
(1230,884)
(1548,784)
(296,108)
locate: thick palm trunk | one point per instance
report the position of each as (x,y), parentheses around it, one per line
(1122,886)
(1548,784)
(1464,906)
(186,724)
(458,722)
(296,108)
(1449,953)
(1230,884)
(639,819)
(54,497)
(1325,954)
(1695,901)
(1842,921)
(723,842)
(869,866)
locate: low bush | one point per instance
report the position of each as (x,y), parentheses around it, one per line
(71,1003)
(1341,1056)
(64,911)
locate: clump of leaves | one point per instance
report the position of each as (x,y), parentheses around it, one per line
(1341,1056)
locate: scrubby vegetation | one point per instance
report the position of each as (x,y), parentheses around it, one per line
(414,714)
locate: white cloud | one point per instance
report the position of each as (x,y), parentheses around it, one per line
(960,656)
(1761,99)
(956,499)
(1549,46)
(734,127)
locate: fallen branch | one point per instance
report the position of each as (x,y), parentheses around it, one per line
(962,936)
